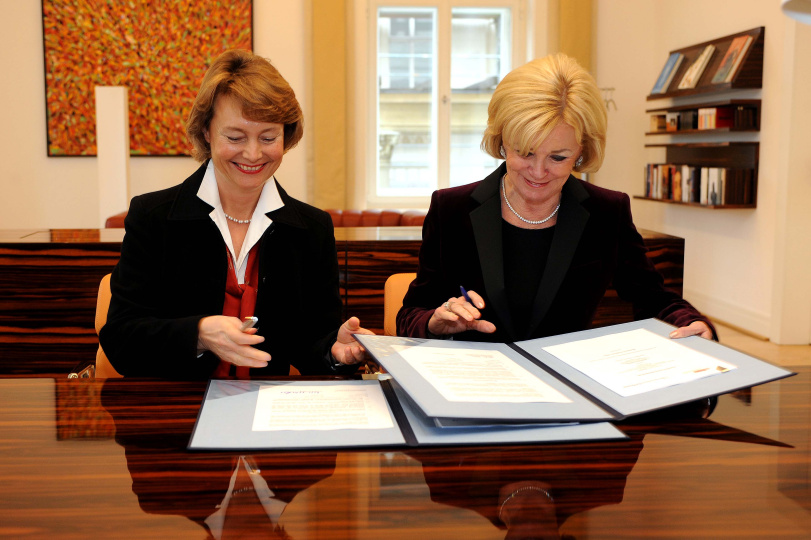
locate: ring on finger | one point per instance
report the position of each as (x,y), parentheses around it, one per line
(447,305)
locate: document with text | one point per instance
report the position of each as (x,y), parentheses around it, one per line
(604,373)
(481,376)
(321,408)
(637,361)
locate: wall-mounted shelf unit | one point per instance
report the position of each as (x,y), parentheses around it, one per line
(710,174)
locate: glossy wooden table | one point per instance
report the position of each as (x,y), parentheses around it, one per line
(89,459)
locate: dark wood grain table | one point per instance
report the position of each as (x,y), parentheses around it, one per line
(96,459)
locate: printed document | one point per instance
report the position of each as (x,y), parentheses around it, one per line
(294,407)
(480,376)
(630,363)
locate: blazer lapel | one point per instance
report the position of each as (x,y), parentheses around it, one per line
(486,222)
(286,214)
(187,205)
(572,221)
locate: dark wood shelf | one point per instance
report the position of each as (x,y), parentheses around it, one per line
(748,75)
(745,116)
(731,155)
(715,206)
(698,131)
(702,105)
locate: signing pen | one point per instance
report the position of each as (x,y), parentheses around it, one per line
(250,322)
(464,293)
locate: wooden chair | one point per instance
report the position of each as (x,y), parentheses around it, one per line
(104,369)
(393,292)
(116,221)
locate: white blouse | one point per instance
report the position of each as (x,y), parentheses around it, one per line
(269,200)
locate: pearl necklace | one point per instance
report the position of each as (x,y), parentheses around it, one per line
(519,216)
(235,220)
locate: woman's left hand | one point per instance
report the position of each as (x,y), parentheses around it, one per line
(696,328)
(346,348)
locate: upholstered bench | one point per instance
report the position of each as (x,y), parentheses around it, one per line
(340,218)
(376,218)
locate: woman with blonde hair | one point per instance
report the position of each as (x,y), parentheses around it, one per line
(535,247)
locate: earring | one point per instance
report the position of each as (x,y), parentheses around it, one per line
(579,161)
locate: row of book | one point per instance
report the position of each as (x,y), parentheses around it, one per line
(733,116)
(724,73)
(703,185)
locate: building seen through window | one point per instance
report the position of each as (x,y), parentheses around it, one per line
(428,136)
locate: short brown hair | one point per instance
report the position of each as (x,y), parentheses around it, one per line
(264,94)
(535,98)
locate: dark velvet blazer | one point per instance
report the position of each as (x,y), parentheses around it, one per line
(595,245)
(172,273)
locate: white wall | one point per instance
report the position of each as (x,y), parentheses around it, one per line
(730,254)
(37,191)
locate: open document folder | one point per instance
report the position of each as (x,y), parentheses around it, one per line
(292,415)
(601,374)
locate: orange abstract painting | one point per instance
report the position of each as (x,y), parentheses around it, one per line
(158,49)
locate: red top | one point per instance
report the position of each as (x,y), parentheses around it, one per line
(240,301)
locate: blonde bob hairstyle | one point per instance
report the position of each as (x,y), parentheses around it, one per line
(258,86)
(535,98)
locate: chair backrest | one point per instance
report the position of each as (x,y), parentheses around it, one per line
(393,292)
(116,221)
(104,369)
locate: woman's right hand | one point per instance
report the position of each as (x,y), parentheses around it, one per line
(222,336)
(458,315)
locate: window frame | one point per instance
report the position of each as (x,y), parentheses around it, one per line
(365,94)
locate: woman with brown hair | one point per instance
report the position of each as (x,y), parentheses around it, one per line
(230,243)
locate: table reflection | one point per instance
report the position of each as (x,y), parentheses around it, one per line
(530,491)
(229,495)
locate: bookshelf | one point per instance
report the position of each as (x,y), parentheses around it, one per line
(709,111)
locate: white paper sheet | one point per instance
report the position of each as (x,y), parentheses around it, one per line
(638,361)
(479,376)
(294,407)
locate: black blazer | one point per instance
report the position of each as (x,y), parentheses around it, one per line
(595,244)
(172,273)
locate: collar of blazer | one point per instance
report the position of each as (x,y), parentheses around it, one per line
(188,205)
(486,223)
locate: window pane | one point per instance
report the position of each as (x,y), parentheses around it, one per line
(480,57)
(406,132)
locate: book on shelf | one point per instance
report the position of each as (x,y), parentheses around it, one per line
(658,122)
(688,120)
(672,121)
(716,117)
(732,59)
(696,69)
(714,188)
(667,73)
(676,183)
(685,183)
(695,184)
(704,183)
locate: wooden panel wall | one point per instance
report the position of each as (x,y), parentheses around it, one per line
(49,282)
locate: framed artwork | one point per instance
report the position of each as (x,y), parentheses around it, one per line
(158,49)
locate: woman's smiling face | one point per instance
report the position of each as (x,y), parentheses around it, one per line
(538,177)
(245,153)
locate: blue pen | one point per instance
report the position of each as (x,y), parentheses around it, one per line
(464,293)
